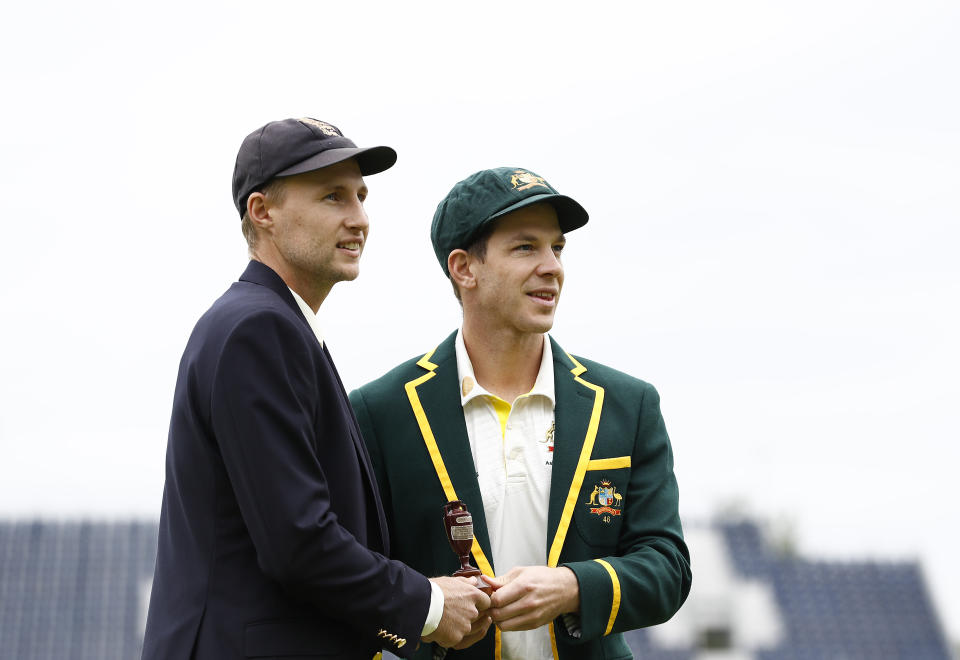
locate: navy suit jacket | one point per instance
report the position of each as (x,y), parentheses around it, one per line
(272,534)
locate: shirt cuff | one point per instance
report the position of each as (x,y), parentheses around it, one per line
(436,610)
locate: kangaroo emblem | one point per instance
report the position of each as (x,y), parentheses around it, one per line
(593,495)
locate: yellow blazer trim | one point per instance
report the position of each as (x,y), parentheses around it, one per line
(425,360)
(554,555)
(428,438)
(609,463)
(615,607)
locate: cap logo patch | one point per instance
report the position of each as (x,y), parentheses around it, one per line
(323,126)
(523,180)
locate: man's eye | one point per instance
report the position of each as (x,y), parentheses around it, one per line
(558,248)
(526,247)
(333,196)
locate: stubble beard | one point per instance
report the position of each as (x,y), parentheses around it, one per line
(319,264)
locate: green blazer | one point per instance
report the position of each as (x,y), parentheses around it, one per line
(613,499)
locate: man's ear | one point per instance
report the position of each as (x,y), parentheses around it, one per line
(258,210)
(460,265)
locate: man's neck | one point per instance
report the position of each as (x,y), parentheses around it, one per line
(505,364)
(312,293)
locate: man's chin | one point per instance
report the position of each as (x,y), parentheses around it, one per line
(341,276)
(541,325)
(349,274)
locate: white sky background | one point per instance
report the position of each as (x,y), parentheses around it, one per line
(773,190)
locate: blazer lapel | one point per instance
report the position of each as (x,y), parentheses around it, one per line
(373,493)
(577,416)
(435,401)
(259,273)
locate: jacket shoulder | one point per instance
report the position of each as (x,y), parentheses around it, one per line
(608,377)
(246,302)
(248,310)
(392,383)
(245,299)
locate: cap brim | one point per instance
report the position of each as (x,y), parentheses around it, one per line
(570,215)
(370,159)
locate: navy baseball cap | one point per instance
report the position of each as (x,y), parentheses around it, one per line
(295,146)
(481,198)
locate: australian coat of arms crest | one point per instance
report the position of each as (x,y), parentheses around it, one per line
(605,501)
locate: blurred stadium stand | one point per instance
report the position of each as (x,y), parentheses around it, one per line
(749,602)
(79,590)
(74,590)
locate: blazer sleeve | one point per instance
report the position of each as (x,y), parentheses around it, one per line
(648,578)
(263,413)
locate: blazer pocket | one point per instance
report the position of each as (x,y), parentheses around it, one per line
(600,505)
(296,638)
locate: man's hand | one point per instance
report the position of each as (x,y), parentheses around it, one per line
(477,631)
(464,620)
(530,596)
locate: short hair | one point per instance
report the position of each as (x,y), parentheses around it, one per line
(274,191)
(477,248)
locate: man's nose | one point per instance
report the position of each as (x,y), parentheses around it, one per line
(357,217)
(550,264)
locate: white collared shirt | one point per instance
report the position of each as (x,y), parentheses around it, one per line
(310,315)
(513,456)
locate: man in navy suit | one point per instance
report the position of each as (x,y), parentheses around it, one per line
(272,535)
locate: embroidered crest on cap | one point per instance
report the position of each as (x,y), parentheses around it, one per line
(523,180)
(609,500)
(324,127)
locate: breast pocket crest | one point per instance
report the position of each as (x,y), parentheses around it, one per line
(605,501)
(600,507)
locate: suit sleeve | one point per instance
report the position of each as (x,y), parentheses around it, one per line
(264,411)
(648,578)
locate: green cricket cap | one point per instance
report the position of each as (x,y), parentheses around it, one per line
(481,198)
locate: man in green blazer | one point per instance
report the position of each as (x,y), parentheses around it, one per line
(564,464)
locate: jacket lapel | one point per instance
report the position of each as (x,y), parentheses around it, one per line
(259,273)
(373,493)
(435,401)
(577,416)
